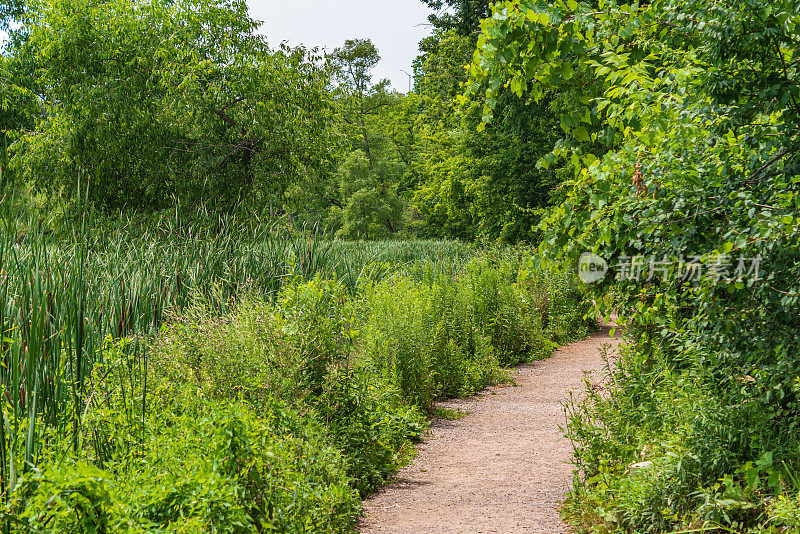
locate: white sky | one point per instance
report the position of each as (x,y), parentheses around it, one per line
(395,26)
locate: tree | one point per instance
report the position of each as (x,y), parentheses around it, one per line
(10,10)
(371,209)
(463,16)
(441,67)
(366,204)
(696,105)
(17,105)
(483,183)
(148,102)
(359,98)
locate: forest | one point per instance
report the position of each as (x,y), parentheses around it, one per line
(236,278)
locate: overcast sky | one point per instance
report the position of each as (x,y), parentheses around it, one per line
(395,26)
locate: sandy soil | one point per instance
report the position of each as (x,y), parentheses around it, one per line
(502,468)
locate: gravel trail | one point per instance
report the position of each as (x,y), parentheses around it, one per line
(502,468)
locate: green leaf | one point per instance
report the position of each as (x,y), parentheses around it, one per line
(581,134)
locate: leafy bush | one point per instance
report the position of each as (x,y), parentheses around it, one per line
(297,351)
(446,336)
(280,414)
(202,467)
(370,424)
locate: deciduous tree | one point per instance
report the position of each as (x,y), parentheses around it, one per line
(149,102)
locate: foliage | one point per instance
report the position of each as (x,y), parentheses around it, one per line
(167,100)
(183,101)
(371,209)
(694,106)
(364,201)
(440,68)
(201,467)
(297,351)
(477,183)
(486,184)
(446,336)
(10,10)
(16,101)
(145,106)
(460,15)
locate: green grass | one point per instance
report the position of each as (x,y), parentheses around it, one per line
(161,357)
(65,292)
(447,414)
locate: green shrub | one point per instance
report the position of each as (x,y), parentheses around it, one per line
(423,340)
(204,467)
(464,358)
(784,513)
(447,335)
(297,350)
(395,339)
(665,448)
(513,326)
(370,424)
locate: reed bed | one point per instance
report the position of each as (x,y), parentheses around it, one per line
(67,293)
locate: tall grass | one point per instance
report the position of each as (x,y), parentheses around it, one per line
(66,291)
(186,373)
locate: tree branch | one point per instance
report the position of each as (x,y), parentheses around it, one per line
(221,114)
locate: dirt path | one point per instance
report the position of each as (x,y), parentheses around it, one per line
(502,468)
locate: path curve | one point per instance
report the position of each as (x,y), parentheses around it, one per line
(504,467)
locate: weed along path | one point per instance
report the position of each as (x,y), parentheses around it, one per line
(501,468)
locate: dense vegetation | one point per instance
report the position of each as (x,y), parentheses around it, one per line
(198,377)
(150,108)
(180,351)
(185,347)
(684,141)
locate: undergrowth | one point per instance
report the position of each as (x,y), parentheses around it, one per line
(279,415)
(681,437)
